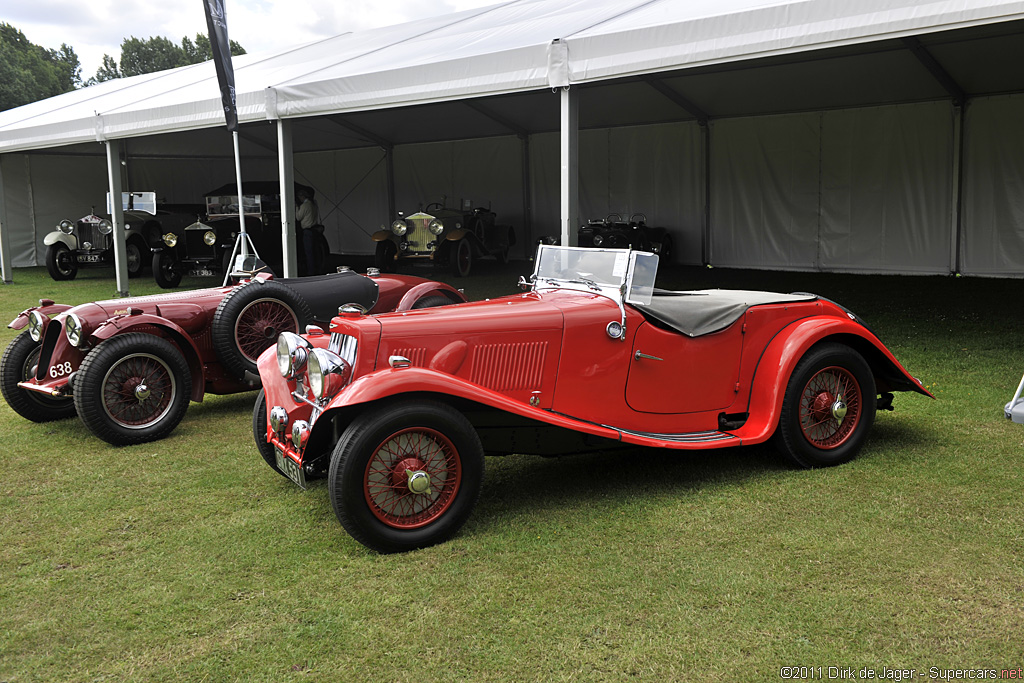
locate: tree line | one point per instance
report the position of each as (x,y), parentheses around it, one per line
(30,72)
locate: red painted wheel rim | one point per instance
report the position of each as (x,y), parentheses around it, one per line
(821,393)
(385,484)
(120,400)
(259,325)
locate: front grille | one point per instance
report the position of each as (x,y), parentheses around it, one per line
(419,237)
(88,232)
(195,247)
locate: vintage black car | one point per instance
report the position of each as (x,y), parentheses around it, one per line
(89,240)
(612,232)
(204,248)
(452,238)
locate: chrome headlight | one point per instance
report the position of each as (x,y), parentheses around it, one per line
(66,226)
(73,328)
(328,373)
(598,240)
(170,239)
(399,228)
(436,227)
(105,227)
(300,434)
(292,353)
(210,238)
(36,325)
(278,419)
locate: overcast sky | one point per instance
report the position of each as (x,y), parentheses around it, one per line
(95,27)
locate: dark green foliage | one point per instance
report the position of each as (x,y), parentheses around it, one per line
(29,72)
(148,55)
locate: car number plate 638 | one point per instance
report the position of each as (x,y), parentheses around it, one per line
(290,468)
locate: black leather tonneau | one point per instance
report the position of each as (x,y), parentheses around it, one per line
(324,293)
(709,310)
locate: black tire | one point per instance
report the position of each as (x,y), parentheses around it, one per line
(829,379)
(432,301)
(133,256)
(384,256)
(259,432)
(166,271)
(665,257)
(60,262)
(18,364)
(250,318)
(461,258)
(107,393)
(361,465)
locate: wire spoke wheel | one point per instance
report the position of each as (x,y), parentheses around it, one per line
(259,324)
(830,407)
(138,391)
(402,460)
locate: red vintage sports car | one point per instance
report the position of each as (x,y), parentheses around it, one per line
(129,367)
(398,410)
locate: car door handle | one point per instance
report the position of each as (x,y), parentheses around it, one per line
(638,355)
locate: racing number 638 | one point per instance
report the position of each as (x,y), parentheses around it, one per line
(60,369)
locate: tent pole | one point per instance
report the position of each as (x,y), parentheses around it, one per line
(286,172)
(5,237)
(117,214)
(956,229)
(569,151)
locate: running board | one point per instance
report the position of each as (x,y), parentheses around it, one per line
(691,437)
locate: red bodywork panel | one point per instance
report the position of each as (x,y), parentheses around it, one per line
(548,357)
(181,317)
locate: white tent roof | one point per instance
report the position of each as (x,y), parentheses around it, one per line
(502,49)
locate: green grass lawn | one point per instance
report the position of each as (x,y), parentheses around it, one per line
(188,559)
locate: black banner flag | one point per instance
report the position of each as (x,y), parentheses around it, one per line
(217,23)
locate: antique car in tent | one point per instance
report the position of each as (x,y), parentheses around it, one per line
(612,232)
(204,247)
(89,241)
(129,367)
(452,238)
(399,410)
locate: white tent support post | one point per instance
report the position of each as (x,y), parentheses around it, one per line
(5,236)
(117,217)
(958,188)
(705,138)
(286,172)
(569,151)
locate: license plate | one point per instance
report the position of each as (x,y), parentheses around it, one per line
(201,272)
(291,470)
(88,258)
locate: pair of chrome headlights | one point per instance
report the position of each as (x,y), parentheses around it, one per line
(104,226)
(73,327)
(327,372)
(209,239)
(400,227)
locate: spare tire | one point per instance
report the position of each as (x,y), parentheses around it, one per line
(250,318)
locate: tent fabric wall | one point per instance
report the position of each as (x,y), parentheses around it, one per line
(40,191)
(993,195)
(656,170)
(856,190)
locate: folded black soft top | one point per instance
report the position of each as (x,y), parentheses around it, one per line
(700,312)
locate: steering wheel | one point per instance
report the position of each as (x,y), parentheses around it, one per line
(618,218)
(434,205)
(643,217)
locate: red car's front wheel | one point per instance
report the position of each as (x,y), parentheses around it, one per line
(405,475)
(828,408)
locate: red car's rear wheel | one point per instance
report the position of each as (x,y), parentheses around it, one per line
(828,408)
(406,474)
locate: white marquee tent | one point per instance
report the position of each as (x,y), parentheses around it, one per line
(876,136)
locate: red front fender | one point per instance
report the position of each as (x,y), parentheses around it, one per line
(138,323)
(49,310)
(392,382)
(779,359)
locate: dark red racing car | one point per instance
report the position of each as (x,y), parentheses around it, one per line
(129,367)
(398,411)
